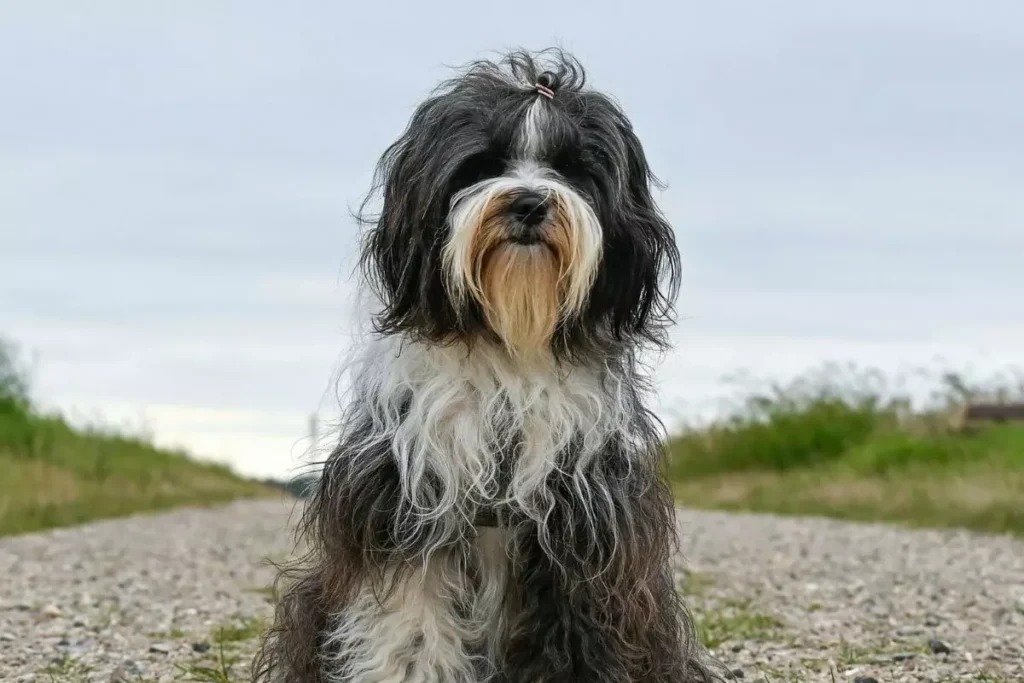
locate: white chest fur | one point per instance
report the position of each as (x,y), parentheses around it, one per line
(449,411)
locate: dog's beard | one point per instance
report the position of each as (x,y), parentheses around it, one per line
(523,290)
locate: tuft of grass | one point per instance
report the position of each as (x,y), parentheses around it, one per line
(53,475)
(243,630)
(775,674)
(173,634)
(66,669)
(219,671)
(986,677)
(222,668)
(841,443)
(848,655)
(695,584)
(734,621)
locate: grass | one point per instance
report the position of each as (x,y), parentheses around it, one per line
(722,620)
(734,621)
(244,630)
(850,655)
(840,442)
(66,669)
(695,584)
(221,670)
(172,634)
(222,666)
(53,475)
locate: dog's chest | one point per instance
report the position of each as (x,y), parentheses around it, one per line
(492,583)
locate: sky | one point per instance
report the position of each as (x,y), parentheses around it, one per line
(176,179)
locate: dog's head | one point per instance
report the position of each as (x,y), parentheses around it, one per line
(517,207)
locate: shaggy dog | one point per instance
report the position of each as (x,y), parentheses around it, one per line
(494,508)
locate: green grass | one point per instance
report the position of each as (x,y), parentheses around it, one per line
(53,475)
(243,630)
(841,443)
(221,670)
(65,669)
(172,634)
(734,621)
(223,665)
(849,655)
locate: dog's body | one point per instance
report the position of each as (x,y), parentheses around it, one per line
(494,509)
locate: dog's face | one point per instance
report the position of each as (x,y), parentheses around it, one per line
(522,214)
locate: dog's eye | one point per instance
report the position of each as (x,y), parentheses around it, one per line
(479,168)
(570,164)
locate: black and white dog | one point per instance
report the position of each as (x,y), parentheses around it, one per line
(493,509)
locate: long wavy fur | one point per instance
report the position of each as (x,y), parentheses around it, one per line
(485,517)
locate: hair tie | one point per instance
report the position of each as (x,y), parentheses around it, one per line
(545,91)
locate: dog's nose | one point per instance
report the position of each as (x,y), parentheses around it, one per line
(530,209)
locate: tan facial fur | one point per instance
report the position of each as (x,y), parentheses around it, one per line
(523,290)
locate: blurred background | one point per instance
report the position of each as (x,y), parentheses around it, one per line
(176,181)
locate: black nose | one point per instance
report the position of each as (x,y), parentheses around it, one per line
(530,209)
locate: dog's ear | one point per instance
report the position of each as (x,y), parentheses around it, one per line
(637,285)
(401,251)
(656,255)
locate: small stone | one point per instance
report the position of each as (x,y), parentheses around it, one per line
(865,679)
(6,637)
(126,672)
(910,631)
(903,656)
(737,648)
(938,647)
(1020,605)
(63,642)
(51,611)
(200,647)
(160,648)
(735,673)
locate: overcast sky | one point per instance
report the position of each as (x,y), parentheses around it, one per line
(846,180)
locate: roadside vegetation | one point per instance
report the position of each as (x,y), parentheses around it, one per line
(846,442)
(52,474)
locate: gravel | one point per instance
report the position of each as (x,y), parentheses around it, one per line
(157,597)
(861,601)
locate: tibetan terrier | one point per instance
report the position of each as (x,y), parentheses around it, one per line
(494,507)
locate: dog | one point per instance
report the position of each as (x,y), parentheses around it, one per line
(493,508)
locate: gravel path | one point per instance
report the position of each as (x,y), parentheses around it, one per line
(156,598)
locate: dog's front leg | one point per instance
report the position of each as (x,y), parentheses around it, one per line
(407,617)
(595,600)
(409,626)
(381,597)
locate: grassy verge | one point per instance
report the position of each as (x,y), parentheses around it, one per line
(842,444)
(53,475)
